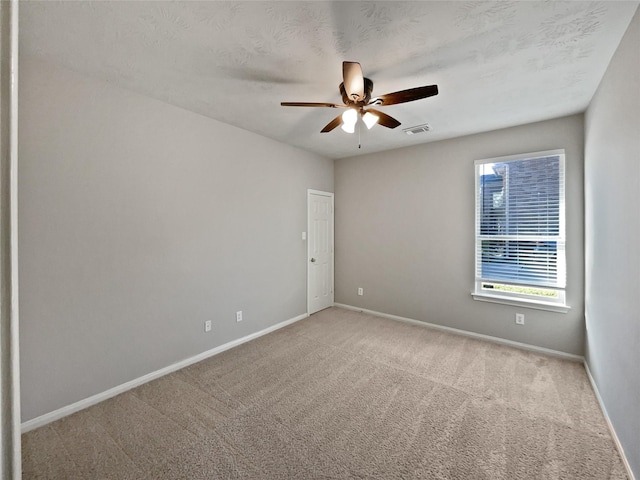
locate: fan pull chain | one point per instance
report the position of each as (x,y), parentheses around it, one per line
(359,142)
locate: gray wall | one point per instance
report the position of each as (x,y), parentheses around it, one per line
(405,233)
(138,222)
(612,247)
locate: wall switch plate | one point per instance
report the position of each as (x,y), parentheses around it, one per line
(304,235)
(520,318)
(207,326)
(239,316)
(360,291)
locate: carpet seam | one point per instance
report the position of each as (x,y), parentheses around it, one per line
(115,441)
(61,441)
(373,359)
(483,397)
(195,385)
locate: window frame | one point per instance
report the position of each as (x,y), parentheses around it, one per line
(556,304)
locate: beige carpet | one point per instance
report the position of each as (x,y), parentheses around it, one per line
(342,395)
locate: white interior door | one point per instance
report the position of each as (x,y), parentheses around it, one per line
(320,251)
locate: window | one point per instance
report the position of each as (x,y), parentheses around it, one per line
(520,230)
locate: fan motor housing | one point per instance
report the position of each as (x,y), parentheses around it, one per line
(368,88)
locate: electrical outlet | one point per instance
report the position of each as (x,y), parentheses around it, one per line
(239,316)
(360,291)
(520,318)
(207,326)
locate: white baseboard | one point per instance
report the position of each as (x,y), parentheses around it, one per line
(112,392)
(489,338)
(627,466)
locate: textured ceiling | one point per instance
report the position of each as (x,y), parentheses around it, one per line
(497,64)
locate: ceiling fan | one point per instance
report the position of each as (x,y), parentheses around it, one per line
(356,95)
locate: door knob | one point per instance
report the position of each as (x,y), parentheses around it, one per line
(313,260)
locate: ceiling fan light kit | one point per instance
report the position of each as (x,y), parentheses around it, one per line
(349,119)
(370,119)
(356,91)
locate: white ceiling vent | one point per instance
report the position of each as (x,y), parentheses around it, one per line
(417,129)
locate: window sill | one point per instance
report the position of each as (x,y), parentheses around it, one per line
(521,302)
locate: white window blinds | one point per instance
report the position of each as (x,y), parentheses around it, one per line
(520,223)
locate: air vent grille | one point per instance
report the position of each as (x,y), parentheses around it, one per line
(417,129)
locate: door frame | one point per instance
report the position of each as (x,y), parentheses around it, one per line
(333,233)
(10,428)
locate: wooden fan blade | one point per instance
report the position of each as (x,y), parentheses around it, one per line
(353,80)
(310,104)
(407,95)
(384,119)
(332,124)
